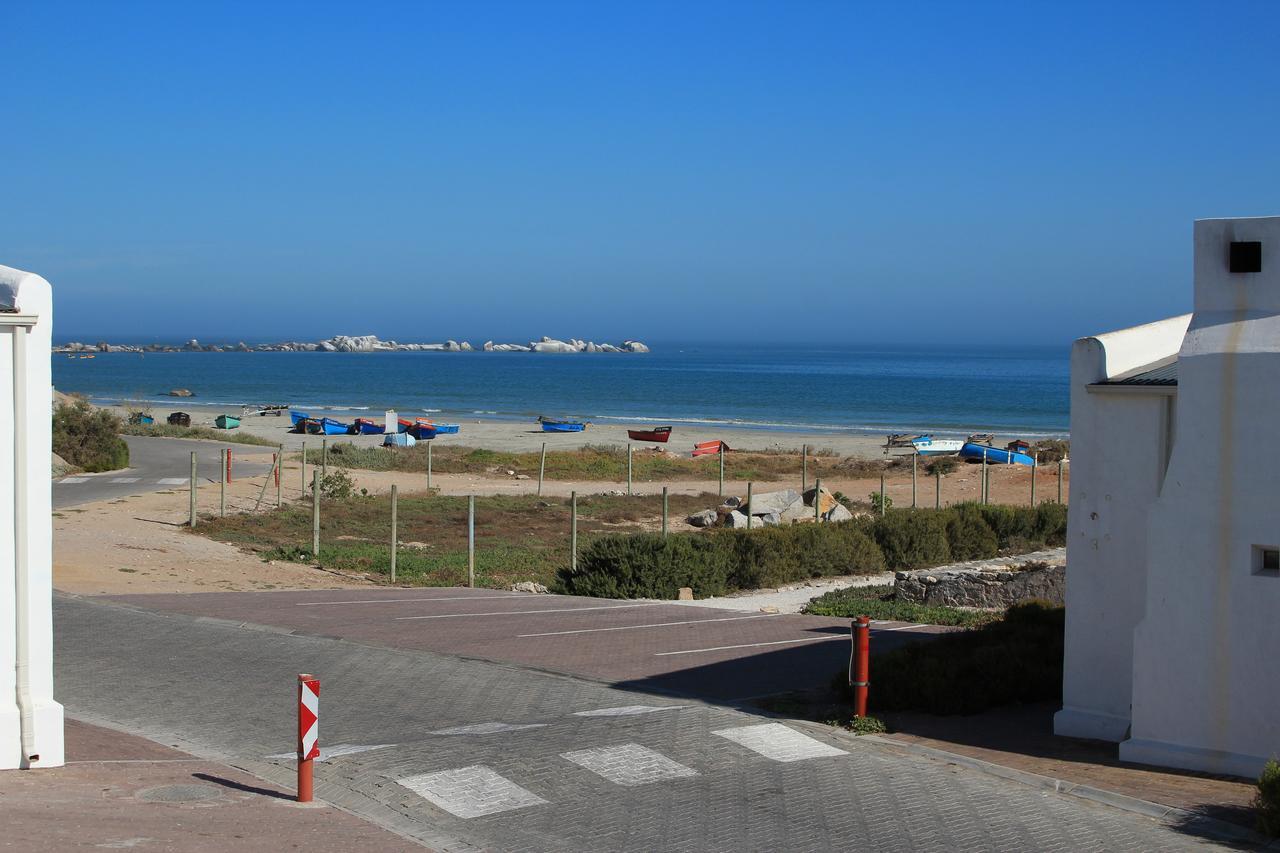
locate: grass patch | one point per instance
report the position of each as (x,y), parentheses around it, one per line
(1016,659)
(518,537)
(878,602)
(596,462)
(170,431)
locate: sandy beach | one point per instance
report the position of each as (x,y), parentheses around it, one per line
(524,437)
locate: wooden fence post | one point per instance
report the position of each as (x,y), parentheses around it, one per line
(748,506)
(1060,461)
(937,489)
(664,512)
(817,499)
(304,467)
(324,457)
(222,487)
(315,513)
(280,477)
(394,540)
(573,531)
(721,492)
(628,470)
(883,498)
(914,458)
(804,467)
(429,446)
(471,541)
(542,467)
(193,490)
(1035,467)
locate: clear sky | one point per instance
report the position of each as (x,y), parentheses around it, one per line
(835,172)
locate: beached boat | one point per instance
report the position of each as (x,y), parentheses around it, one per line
(327,426)
(264,410)
(656,434)
(140,418)
(423,432)
(446,429)
(298,417)
(398,439)
(709,448)
(403,424)
(553,425)
(179,419)
(994,455)
(366,426)
(927,445)
(226,422)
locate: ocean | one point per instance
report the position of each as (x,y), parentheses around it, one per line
(864,389)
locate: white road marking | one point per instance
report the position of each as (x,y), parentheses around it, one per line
(625,710)
(653,625)
(630,764)
(526,612)
(125,479)
(327,752)
(471,791)
(776,741)
(904,628)
(748,646)
(488,728)
(398,600)
(173,481)
(74,480)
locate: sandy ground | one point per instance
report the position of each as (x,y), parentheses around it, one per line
(141,544)
(527,436)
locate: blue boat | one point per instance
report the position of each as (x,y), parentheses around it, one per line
(551,425)
(327,426)
(994,455)
(366,426)
(446,429)
(297,416)
(423,432)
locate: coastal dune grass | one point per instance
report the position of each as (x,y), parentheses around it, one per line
(518,537)
(599,463)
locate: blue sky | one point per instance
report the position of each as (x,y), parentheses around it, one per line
(837,172)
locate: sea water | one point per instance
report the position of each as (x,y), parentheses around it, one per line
(952,390)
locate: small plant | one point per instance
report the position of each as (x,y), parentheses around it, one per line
(867,726)
(89,438)
(1267,800)
(942,466)
(881,503)
(337,486)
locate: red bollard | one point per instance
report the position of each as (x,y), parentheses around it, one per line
(228,452)
(860,663)
(275,466)
(308,732)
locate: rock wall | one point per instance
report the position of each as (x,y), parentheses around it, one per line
(987,583)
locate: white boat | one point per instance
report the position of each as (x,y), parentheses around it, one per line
(927,445)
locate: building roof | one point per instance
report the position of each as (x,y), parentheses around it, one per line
(1160,374)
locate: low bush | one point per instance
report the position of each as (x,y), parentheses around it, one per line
(942,465)
(1017,659)
(1051,450)
(1267,800)
(1050,526)
(969,535)
(172,431)
(648,566)
(337,486)
(879,602)
(89,438)
(912,538)
(778,555)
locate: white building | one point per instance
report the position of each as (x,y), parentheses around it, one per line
(1173,574)
(30,721)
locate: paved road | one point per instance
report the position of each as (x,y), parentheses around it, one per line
(156,464)
(712,654)
(465,754)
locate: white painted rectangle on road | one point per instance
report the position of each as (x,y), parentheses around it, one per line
(630,764)
(527,612)
(425,599)
(173,481)
(626,710)
(650,625)
(489,728)
(125,479)
(66,480)
(776,741)
(747,646)
(471,791)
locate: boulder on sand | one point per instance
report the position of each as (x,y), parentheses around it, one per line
(735,519)
(773,502)
(179,392)
(706,518)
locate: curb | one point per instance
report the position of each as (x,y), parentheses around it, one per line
(1209,826)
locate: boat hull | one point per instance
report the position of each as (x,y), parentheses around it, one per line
(938,446)
(327,426)
(994,455)
(297,417)
(660,435)
(226,422)
(562,427)
(422,432)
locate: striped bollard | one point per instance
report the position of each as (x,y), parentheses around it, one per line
(228,469)
(308,732)
(860,663)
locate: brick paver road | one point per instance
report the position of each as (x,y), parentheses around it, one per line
(465,754)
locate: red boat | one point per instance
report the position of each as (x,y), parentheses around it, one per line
(656,434)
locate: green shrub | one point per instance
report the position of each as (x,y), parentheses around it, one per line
(1267,800)
(867,726)
(1017,659)
(778,555)
(969,535)
(942,465)
(89,438)
(1014,526)
(648,566)
(912,538)
(880,503)
(1050,526)
(879,602)
(337,486)
(1051,450)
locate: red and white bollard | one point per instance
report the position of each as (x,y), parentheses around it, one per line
(860,663)
(228,452)
(275,466)
(308,732)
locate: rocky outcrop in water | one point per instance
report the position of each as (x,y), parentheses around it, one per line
(360,343)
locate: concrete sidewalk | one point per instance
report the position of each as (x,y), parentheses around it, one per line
(119,791)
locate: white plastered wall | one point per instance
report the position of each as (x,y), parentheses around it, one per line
(31,722)
(1206,685)
(1119,447)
